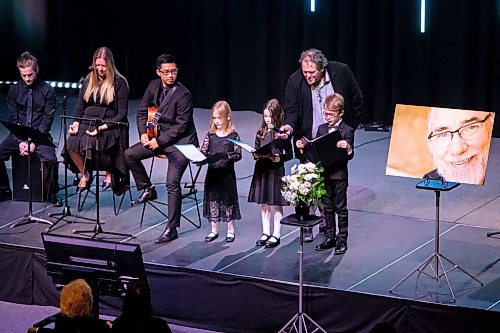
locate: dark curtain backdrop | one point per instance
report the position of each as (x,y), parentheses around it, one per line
(244,50)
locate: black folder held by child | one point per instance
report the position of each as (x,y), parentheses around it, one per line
(324,149)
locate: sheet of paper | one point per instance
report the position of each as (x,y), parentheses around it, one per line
(191,152)
(243,145)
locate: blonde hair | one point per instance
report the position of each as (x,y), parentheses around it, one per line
(105,88)
(335,102)
(25,60)
(76,299)
(225,114)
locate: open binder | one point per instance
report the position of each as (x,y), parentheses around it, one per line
(195,155)
(324,149)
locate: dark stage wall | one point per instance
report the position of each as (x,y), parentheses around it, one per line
(243,51)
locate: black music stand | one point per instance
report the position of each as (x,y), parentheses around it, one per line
(66,209)
(438,186)
(97,230)
(298,323)
(30,135)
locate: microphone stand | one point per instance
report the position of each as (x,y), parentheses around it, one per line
(97,230)
(66,209)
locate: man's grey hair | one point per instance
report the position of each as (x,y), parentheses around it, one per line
(316,56)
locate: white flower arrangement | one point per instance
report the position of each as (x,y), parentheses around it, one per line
(304,184)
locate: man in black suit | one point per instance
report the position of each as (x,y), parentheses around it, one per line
(175,125)
(306,92)
(335,175)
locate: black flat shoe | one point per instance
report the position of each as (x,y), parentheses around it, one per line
(273,241)
(230,237)
(148,194)
(105,185)
(328,243)
(263,239)
(169,235)
(211,236)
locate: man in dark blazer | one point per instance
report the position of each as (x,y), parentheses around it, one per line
(335,175)
(305,93)
(175,125)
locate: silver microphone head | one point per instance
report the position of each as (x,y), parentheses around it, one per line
(270,126)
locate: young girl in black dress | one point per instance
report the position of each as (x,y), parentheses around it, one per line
(266,185)
(220,199)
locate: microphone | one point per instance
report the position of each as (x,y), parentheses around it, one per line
(272,128)
(85,73)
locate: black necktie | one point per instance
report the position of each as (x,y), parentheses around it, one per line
(29,110)
(163,94)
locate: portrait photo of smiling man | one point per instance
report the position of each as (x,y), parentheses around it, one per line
(440,143)
(459,142)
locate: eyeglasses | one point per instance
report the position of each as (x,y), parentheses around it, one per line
(328,112)
(466,132)
(166,72)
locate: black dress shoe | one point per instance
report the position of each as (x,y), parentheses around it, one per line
(341,247)
(148,194)
(169,235)
(328,243)
(105,185)
(272,242)
(262,240)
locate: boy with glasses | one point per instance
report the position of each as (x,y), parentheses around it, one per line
(336,176)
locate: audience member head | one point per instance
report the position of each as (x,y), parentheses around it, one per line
(137,302)
(76,299)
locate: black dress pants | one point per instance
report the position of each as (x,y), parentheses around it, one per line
(335,202)
(177,164)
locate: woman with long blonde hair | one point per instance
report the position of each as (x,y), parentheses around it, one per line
(102,106)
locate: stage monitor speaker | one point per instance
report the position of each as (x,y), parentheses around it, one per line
(20,182)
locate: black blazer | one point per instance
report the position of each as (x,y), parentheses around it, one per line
(298,98)
(339,169)
(176,124)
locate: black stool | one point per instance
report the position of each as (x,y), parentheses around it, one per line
(191,194)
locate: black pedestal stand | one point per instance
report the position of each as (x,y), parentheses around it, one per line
(299,321)
(435,261)
(66,212)
(30,135)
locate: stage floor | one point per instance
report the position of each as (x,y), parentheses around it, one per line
(391,228)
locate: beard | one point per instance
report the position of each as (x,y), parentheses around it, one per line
(471,172)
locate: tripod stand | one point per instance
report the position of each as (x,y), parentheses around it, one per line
(97,230)
(436,258)
(30,135)
(298,323)
(66,209)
